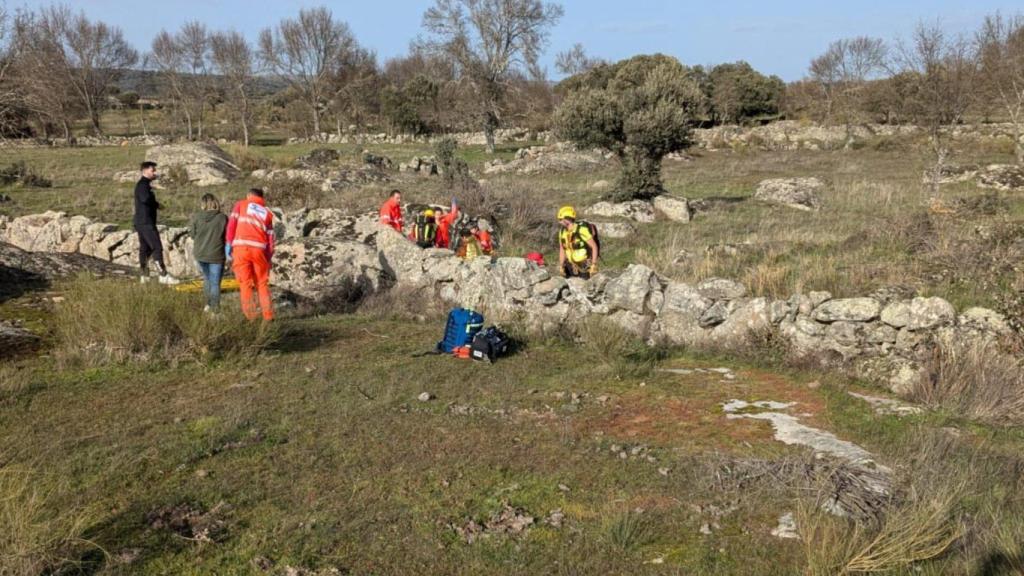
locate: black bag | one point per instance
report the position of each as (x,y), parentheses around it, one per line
(489,344)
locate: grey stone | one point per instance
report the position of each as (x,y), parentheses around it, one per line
(327,272)
(636,210)
(675,209)
(985,320)
(848,309)
(798,193)
(715,315)
(630,290)
(721,289)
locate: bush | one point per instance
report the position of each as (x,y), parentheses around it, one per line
(248,161)
(981,382)
(175,176)
(19,173)
(293,193)
(118,321)
(454,170)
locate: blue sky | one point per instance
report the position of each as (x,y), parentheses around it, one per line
(775,37)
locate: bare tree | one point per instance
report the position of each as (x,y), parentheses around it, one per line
(1000,45)
(354,87)
(183,61)
(233,61)
(35,70)
(195,44)
(304,53)
(843,72)
(575,60)
(941,72)
(488,40)
(88,57)
(10,95)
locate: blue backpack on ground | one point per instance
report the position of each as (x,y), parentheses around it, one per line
(462,326)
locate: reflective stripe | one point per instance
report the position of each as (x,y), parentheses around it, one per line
(253,221)
(253,243)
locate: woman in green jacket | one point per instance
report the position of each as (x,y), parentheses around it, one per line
(208,227)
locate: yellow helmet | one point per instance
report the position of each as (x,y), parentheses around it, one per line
(429,213)
(566,212)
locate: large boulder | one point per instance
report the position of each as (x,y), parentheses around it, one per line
(675,209)
(1006,177)
(47,232)
(798,193)
(682,308)
(615,229)
(327,272)
(21,270)
(636,290)
(636,210)
(205,164)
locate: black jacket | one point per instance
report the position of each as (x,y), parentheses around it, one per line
(145,203)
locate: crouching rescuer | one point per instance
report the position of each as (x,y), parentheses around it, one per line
(578,245)
(250,242)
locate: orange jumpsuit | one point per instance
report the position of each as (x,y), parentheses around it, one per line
(251,236)
(391,214)
(484,238)
(444,228)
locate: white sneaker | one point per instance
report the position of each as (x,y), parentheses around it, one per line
(206,309)
(144,279)
(169,280)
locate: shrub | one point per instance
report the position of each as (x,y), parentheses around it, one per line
(293,193)
(37,537)
(454,170)
(175,176)
(981,382)
(114,320)
(20,173)
(249,161)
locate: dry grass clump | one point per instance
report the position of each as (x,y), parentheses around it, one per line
(403,303)
(524,217)
(37,537)
(981,381)
(923,520)
(116,321)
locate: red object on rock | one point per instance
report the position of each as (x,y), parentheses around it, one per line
(536,257)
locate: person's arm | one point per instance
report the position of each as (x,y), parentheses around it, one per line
(270,235)
(192,226)
(561,256)
(229,233)
(594,254)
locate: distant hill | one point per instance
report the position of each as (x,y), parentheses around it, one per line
(146,83)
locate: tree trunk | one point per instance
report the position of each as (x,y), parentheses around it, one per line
(316,122)
(94,117)
(490,125)
(188,121)
(1018,146)
(142,118)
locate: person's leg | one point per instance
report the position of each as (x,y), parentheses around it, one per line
(261,267)
(216,273)
(246,282)
(204,271)
(158,251)
(144,251)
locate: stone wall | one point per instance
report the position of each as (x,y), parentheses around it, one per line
(326,255)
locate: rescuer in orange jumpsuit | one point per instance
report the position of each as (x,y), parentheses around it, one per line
(391,211)
(483,237)
(250,241)
(444,226)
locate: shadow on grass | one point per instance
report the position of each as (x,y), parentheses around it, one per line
(302,337)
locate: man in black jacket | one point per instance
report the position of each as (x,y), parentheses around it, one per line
(145,224)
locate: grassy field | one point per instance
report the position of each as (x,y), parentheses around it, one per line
(307,451)
(317,454)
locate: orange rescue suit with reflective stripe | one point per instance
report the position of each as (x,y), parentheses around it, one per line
(251,224)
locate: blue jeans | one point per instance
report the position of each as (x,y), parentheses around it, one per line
(212,273)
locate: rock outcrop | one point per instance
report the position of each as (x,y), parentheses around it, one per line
(203,163)
(557,157)
(798,193)
(1005,177)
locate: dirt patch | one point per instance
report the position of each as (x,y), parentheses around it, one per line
(509,521)
(192,523)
